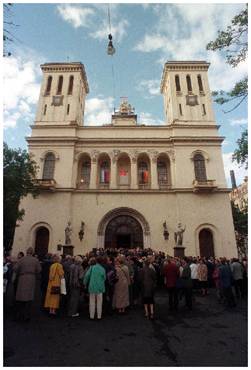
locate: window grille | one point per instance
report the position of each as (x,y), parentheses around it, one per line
(200,168)
(49,166)
(162,173)
(143,173)
(104,173)
(85,172)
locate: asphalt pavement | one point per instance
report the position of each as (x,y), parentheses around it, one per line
(209,335)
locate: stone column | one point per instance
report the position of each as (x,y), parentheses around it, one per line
(154,174)
(93,179)
(134,174)
(113,180)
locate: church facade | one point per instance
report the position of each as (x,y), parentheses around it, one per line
(127,184)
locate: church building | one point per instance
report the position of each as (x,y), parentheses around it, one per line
(127,184)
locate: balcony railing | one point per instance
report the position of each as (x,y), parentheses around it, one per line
(104,185)
(83,185)
(143,186)
(164,184)
(204,186)
(45,184)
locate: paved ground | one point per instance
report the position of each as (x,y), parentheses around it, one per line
(209,335)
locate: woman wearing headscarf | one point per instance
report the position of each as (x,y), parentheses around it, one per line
(121,289)
(76,273)
(52,298)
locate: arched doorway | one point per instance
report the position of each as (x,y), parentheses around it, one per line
(42,241)
(123,231)
(206,243)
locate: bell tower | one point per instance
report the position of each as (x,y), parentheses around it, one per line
(187,96)
(62,95)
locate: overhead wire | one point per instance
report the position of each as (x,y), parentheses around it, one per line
(112,62)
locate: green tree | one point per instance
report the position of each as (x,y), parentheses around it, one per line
(241,153)
(240,219)
(19,172)
(234,42)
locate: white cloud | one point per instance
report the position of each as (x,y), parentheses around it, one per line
(239,122)
(240,172)
(95,18)
(151,86)
(21,87)
(98,111)
(77,16)
(118,31)
(182,31)
(149,119)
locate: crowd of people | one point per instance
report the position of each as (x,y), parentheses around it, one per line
(115,279)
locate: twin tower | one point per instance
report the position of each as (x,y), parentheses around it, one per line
(184,85)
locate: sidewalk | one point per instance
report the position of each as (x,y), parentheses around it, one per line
(209,335)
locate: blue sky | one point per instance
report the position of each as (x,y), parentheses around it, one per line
(145,37)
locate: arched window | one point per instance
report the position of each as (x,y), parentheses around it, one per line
(189,83)
(49,166)
(70,87)
(177,83)
(200,83)
(85,171)
(143,173)
(48,86)
(68,109)
(162,173)
(60,85)
(104,176)
(123,171)
(45,109)
(199,167)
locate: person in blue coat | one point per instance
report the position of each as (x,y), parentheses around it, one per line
(95,281)
(225,281)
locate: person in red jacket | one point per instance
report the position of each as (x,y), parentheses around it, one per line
(171,273)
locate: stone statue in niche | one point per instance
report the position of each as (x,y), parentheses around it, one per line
(165,232)
(68,232)
(82,231)
(178,234)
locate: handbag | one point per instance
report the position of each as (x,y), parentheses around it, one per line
(63,286)
(55,290)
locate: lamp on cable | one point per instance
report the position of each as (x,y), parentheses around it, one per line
(110,49)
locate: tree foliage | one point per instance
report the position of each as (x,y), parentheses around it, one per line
(241,153)
(234,42)
(19,171)
(240,219)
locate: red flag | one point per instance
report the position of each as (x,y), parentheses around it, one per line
(122,172)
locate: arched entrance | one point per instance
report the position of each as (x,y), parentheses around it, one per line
(206,243)
(41,241)
(123,232)
(125,227)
